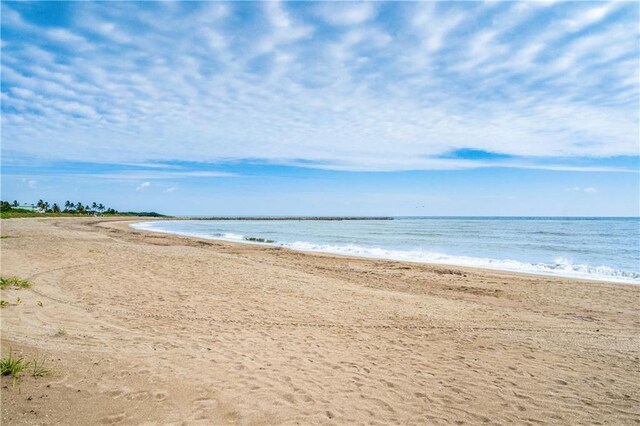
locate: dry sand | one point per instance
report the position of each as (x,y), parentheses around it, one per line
(150,328)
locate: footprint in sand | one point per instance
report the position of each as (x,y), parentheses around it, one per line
(113,418)
(140,395)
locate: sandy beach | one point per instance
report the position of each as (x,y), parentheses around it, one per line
(144,328)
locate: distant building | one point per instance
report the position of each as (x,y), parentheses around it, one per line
(28,207)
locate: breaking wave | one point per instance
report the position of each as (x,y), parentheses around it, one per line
(559,267)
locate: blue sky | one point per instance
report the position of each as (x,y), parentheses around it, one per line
(401,108)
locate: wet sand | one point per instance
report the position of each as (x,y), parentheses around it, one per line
(154,328)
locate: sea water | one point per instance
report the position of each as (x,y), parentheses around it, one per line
(593,248)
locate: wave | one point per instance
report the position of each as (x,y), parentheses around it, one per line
(560,267)
(225,236)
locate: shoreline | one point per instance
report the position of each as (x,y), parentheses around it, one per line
(142,327)
(416,262)
(277,218)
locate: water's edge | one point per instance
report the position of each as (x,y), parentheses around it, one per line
(561,269)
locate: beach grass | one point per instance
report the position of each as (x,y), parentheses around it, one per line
(14,282)
(18,213)
(39,370)
(12,365)
(24,213)
(15,214)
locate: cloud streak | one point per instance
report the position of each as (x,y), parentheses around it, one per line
(143,186)
(579,189)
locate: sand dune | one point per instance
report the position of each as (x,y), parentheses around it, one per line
(150,328)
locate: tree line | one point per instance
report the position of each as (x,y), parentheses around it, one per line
(68,207)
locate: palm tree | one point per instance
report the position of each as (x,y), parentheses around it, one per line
(68,205)
(79,207)
(55,208)
(15,203)
(40,204)
(101,207)
(94,206)
(46,206)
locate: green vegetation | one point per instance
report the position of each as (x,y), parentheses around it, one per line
(39,369)
(40,303)
(149,214)
(13,366)
(61,332)
(69,209)
(14,213)
(13,282)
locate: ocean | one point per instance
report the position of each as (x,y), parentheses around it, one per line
(593,248)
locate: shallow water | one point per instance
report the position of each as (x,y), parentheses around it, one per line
(594,248)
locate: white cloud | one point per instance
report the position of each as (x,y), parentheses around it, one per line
(589,16)
(154,175)
(65,36)
(170,189)
(30,183)
(143,186)
(346,14)
(579,189)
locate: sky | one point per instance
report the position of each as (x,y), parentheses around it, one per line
(324,108)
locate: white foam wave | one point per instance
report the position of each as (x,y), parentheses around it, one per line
(226,236)
(230,236)
(561,266)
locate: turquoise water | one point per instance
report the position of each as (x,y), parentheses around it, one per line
(595,248)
